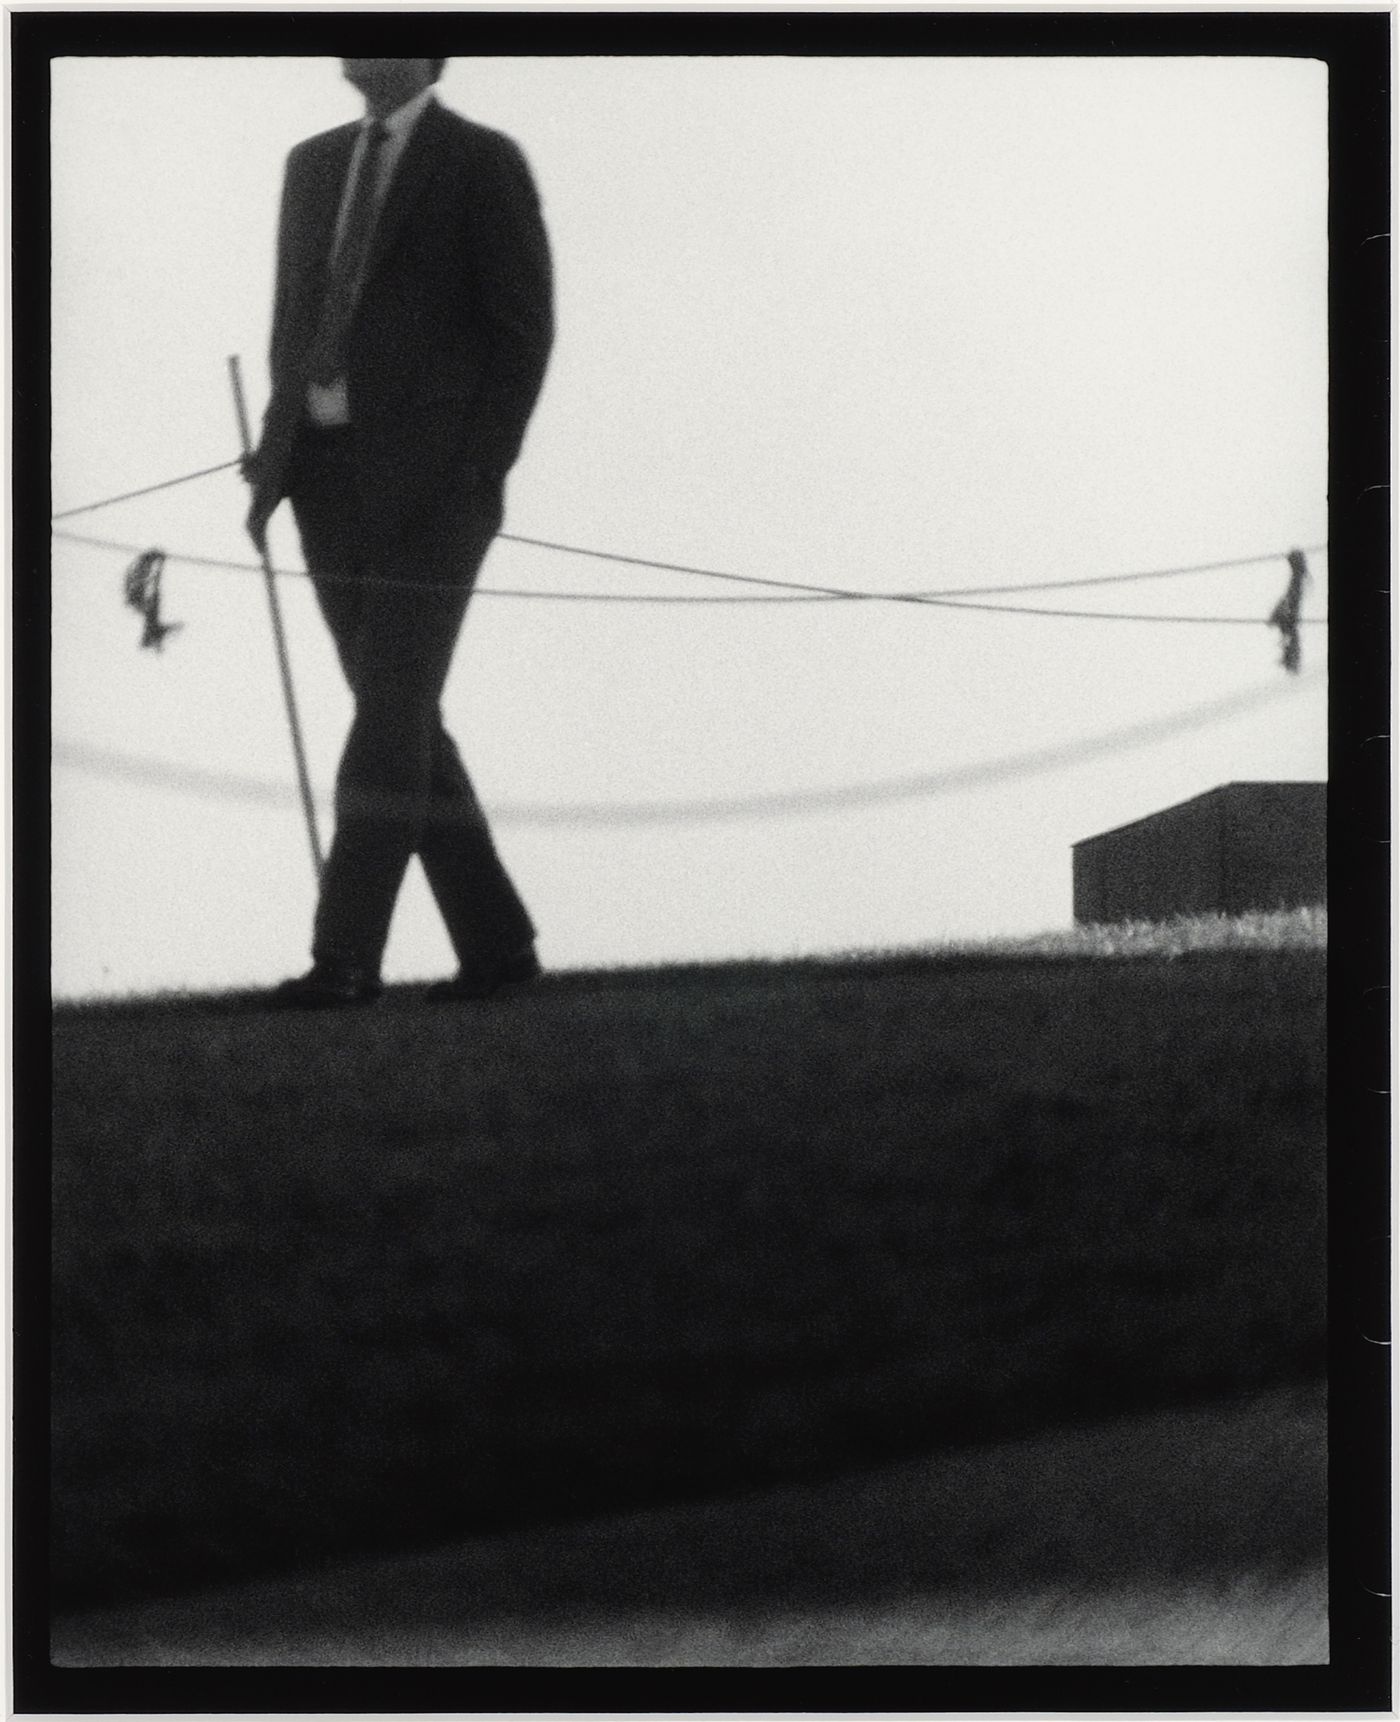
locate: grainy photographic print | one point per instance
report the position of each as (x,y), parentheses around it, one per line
(689,931)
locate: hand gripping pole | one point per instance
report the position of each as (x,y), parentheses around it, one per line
(280,639)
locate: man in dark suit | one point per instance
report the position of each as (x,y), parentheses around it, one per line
(411,329)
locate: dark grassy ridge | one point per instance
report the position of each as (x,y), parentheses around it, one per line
(1188,937)
(327,1285)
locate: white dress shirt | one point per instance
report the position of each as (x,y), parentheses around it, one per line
(328,404)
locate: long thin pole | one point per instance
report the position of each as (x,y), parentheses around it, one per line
(280,638)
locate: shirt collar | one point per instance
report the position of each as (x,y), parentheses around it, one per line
(399,123)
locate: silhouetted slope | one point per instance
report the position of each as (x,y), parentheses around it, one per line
(330,1284)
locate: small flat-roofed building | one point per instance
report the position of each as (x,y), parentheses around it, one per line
(1241,847)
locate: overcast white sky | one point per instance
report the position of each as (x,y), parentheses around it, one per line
(886,324)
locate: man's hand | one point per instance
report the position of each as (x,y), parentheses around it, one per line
(258,516)
(250,467)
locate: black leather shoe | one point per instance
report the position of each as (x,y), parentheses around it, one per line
(516,971)
(328,986)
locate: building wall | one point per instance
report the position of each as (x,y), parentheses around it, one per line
(1275,846)
(1240,847)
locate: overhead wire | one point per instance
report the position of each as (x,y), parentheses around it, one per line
(1032,762)
(145,490)
(926,595)
(224,785)
(933,595)
(802,593)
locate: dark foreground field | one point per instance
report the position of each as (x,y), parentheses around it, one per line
(1161,1537)
(327,1286)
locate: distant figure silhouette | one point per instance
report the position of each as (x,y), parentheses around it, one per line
(411,329)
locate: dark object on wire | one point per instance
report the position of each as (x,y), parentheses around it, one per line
(143,594)
(1288,609)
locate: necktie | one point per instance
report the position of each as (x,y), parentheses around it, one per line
(343,277)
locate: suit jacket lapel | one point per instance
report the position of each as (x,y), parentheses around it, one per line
(327,190)
(314,187)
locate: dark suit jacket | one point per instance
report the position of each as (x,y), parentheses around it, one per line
(454,322)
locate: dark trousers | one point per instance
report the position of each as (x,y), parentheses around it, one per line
(394,610)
